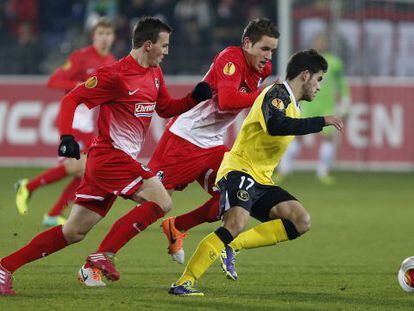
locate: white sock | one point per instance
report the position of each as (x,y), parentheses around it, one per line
(285,165)
(326,157)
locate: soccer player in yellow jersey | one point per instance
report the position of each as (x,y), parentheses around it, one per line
(245,175)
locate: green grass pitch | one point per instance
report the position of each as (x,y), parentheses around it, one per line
(362,228)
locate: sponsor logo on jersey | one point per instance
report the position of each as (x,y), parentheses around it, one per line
(229,69)
(243,195)
(157,83)
(278,104)
(91,82)
(66,65)
(144,109)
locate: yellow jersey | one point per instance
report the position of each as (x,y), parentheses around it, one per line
(267,131)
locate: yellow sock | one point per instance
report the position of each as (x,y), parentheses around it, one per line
(205,254)
(265,234)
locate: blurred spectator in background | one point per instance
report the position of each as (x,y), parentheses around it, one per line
(332,99)
(194,18)
(97,8)
(18,12)
(193,27)
(27,52)
(228,24)
(207,26)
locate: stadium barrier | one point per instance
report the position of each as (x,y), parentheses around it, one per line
(379,132)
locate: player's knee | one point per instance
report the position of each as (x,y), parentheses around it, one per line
(165,204)
(302,223)
(73,235)
(307,223)
(234,226)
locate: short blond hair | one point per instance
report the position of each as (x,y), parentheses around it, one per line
(103,22)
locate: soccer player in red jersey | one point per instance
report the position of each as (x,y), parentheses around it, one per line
(128,93)
(78,67)
(192,146)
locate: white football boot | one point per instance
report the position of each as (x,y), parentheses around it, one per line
(91,277)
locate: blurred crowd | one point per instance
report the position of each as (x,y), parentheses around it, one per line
(37,35)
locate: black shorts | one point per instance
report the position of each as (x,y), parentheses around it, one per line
(240,189)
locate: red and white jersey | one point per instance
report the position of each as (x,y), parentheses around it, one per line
(127,94)
(206,124)
(79,66)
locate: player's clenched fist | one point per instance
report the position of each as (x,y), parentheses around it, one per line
(335,121)
(201,92)
(68,147)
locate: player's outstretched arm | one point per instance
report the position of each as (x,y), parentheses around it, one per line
(334,121)
(168,107)
(278,124)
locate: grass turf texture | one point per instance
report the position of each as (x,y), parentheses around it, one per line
(361,231)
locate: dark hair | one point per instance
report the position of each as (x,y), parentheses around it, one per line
(305,60)
(148,28)
(259,27)
(102,22)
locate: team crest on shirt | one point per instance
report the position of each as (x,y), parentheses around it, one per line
(66,65)
(229,69)
(278,104)
(157,83)
(243,195)
(91,82)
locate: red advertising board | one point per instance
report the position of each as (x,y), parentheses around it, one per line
(379,130)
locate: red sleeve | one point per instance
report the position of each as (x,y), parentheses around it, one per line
(231,98)
(229,72)
(168,107)
(98,89)
(66,76)
(65,115)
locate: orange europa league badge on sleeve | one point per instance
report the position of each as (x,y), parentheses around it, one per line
(66,65)
(229,69)
(278,104)
(91,82)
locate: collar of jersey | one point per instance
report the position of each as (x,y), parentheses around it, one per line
(134,64)
(292,96)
